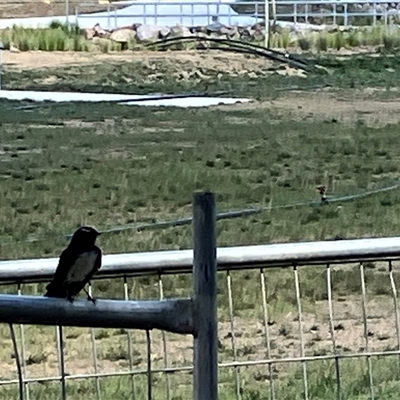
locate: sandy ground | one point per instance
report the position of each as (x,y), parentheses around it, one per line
(227,62)
(41,59)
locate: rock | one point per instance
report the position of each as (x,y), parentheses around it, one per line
(178,31)
(164,32)
(235,35)
(100,32)
(257,36)
(89,33)
(231,33)
(124,35)
(226,30)
(258,26)
(14,49)
(246,33)
(148,33)
(197,29)
(251,32)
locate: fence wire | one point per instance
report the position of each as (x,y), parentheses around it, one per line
(246,212)
(274,326)
(196,13)
(332,329)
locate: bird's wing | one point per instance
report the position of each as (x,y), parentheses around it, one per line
(67,259)
(99,258)
(96,267)
(75,287)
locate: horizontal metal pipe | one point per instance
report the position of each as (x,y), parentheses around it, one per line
(41,379)
(178,261)
(173,315)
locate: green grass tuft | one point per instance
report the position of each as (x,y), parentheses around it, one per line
(63,37)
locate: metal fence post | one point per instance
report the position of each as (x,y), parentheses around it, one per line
(1,66)
(205,358)
(67,12)
(266,20)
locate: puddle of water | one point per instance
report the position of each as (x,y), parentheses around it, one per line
(99,97)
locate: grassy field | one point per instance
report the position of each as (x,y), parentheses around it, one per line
(108,165)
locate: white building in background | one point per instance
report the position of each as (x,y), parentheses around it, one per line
(148,12)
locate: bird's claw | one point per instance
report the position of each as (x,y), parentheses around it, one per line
(89,297)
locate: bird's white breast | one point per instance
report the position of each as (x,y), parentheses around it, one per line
(83,265)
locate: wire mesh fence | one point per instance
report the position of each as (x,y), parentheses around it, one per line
(284,332)
(313,12)
(347,13)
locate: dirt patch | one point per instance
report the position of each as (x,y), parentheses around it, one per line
(33,60)
(323,104)
(195,62)
(328,106)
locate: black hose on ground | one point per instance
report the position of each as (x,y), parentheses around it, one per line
(241,47)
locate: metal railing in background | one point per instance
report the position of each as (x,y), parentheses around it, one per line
(360,12)
(297,334)
(298,11)
(229,258)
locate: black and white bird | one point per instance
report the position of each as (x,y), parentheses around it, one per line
(77,265)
